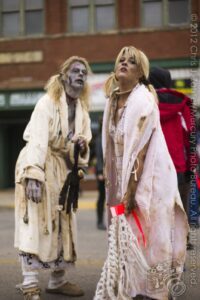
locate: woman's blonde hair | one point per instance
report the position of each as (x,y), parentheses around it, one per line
(141,61)
(55,88)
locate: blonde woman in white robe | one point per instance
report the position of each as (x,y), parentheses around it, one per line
(44,235)
(147,235)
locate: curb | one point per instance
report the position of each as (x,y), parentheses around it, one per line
(83,205)
(87,199)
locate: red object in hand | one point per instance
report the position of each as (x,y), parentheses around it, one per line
(117,210)
(120,209)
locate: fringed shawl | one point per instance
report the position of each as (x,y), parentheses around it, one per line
(159,205)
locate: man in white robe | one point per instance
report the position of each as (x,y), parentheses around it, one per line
(45,235)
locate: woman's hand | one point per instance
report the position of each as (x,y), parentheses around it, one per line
(125,202)
(129,203)
(33,190)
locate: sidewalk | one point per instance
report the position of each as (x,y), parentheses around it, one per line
(87,200)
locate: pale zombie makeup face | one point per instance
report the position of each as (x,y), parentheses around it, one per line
(77,75)
(127,68)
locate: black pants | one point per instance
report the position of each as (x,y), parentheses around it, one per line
(100,201)
(184,190)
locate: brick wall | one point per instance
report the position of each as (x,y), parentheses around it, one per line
(56,45)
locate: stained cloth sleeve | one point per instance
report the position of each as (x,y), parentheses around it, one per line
(86,133)
(37,134)
(143,188)
(140,123)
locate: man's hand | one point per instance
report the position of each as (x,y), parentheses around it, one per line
(81,142)
(33,190)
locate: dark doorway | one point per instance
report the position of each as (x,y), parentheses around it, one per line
(12,125)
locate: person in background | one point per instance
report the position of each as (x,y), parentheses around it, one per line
(177,121)
(198,132)
(100,179)
(198,156)
(147,223)
(45,235)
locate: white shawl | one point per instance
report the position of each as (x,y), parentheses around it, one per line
(159,205)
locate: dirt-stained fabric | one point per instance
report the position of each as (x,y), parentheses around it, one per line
(158,202)
(44,158)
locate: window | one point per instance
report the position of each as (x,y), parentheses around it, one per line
(21,17)
(178,11)
(158,13)
(152,13)
(10,19)
(33,16)
(91,15)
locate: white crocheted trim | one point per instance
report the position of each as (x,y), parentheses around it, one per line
(125,266)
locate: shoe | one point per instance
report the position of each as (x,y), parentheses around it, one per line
(32,293)
(170,297)
(190,246)
(101,226)
(141,297)
(68,289)
(19,286)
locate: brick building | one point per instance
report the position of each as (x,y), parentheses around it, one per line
(36,36)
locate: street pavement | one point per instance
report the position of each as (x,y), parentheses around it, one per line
(92,248)
(87,199)
(92,251)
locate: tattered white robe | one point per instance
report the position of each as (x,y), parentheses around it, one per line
(44,158)
(159,206)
